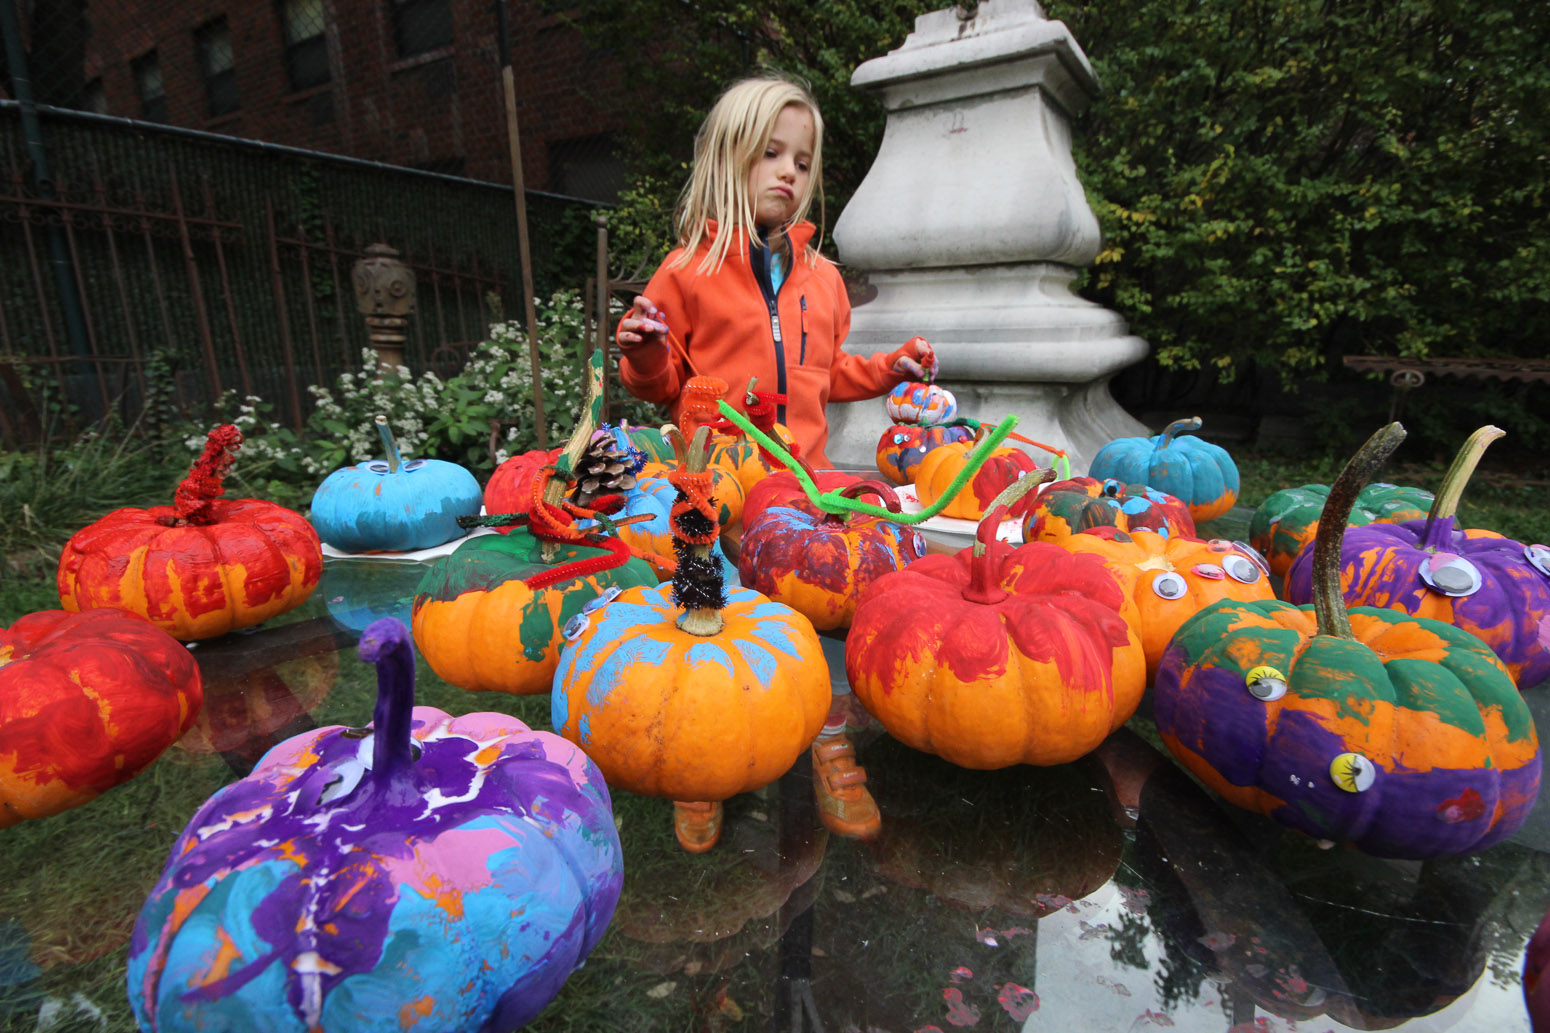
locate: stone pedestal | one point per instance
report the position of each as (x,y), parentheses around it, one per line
(971,225)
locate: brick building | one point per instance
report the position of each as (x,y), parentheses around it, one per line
(406,82)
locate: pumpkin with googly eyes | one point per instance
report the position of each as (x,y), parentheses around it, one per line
(1072,506)
(1477,580)
(1399,735)
(1285,523)
(1172,579)
(903,446)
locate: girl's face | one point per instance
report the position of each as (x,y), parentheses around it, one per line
(778,180)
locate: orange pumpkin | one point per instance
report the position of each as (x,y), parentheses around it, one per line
(742,457)
(940,466)
(727,490)
(1172,579)
(998,655)
(200,567)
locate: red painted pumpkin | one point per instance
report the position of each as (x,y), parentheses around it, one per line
(87,702)
(1172,579)
(1069,507)
(998,655)
(940,466)
(200,567)
(820,565)
(782,488)
(510,487)
(902,446)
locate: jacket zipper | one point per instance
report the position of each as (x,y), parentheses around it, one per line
(762,276)
(802,359)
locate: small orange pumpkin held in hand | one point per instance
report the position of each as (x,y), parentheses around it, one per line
(200,567)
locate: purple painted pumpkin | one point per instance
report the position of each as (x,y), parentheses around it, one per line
(1492,587)
(450,871)
(1536,988)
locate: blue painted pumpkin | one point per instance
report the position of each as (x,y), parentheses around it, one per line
(387,505)
(653,497)
(1203,475)
(429,871)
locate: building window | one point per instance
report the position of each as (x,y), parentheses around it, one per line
(421,25)
(306,47)
(219,65)
(146,70)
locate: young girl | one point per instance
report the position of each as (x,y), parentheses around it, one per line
(748,295)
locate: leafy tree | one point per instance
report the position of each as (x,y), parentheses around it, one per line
(1287,180)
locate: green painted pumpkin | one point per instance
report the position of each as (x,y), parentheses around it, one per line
(1286,522)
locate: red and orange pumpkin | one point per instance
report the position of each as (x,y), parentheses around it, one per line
(1069,507)
(510,487)
(903,445)
(200,567)
(783,488)
(941,466)
(87,702)
(998,655)
(820,565)
(1399,735)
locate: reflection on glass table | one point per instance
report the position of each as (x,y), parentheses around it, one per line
(1110,894)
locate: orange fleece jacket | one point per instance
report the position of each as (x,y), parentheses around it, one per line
(721,325)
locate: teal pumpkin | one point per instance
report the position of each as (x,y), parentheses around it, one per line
(1203,475)
(1286,522)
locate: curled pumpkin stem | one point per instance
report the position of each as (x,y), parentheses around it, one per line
(980,588)
(205,483)
(1328,603)
(1187,425)
(1439,521)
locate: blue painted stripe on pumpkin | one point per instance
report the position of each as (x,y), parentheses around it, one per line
(759,660)
(776,632)
(616,667)
(709,653)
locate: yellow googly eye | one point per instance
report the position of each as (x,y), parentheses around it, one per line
(1265,683)
(1353,772)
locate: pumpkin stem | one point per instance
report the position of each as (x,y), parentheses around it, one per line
(1328,604)
(385,643)
(1185,426)
(394,460)
(194,497)
(885,494)
(982,587)
(698,584)
(1440,520)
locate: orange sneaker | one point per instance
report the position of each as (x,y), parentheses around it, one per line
(845,805)
(697,825)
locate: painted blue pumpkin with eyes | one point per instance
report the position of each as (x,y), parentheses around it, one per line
(388,505)
(1176,462)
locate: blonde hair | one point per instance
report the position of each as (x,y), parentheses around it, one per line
(729,142)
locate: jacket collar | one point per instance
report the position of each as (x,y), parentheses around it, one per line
(800,233)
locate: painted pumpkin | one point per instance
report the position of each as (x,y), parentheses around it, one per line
(901,448)
(481,626)
(87,702)
(510,487)
(1175,462)
(1172,579)
(372,872)
(1068,507)
(1476,580)
(998,655)
(200,567)
(727,491)
(925,404)
(1400,735)
(1536,988)
(941,466)
(649,441)
(388,505)
(782,488)
(652,538)
(1286,522)
(743,457)
(690,691)
(820,565)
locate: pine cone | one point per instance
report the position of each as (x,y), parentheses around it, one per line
(603,469)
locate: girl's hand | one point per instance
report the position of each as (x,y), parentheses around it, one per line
(643,326)
(915,361)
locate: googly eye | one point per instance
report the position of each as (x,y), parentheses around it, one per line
(1538,557)
(1265,683)
(1219,545)
(1241,568)
(1210,571)
(1353,772)
(899,439)
(1254,556)
(1169,585)
(414,464)
(575,626)
(1450,574)
(1111,487)
(379,466)
(610,593)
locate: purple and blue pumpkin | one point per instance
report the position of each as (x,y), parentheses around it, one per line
(427,869)
(1286,522)
(1175,462)
(388,505)
(903,446)
(1490,586)
(1398,735)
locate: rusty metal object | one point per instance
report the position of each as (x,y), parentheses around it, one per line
(385,296)
(1526,370)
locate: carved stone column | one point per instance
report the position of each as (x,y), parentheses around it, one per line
(971,226)
(384,294)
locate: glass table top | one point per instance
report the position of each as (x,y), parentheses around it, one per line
(1110,894)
